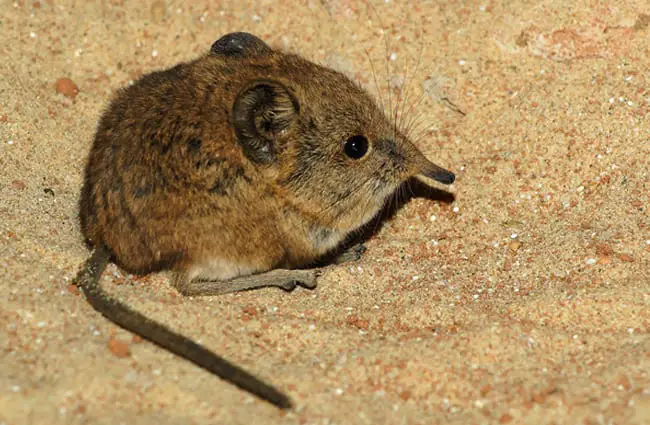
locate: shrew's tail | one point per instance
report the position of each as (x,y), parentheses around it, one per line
(88,281)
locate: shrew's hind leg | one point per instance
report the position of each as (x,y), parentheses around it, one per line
(285,279)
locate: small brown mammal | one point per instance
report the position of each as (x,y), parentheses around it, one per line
(235,171)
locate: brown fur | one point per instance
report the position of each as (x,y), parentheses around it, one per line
(188,173)
(167,185)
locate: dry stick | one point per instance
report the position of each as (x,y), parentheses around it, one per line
(448,103)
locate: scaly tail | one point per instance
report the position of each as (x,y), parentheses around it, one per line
(88,281)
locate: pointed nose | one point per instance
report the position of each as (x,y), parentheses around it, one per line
(439,174)
(430,170)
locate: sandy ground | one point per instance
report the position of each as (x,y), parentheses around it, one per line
(526,300)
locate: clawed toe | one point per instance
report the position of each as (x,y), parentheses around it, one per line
(308,279)
(360,250)
(309,284)
(288,286)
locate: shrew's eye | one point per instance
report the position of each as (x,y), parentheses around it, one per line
(356,147)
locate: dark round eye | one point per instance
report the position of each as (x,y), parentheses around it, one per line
(356,147)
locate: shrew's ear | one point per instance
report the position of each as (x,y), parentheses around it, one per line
(240,45)
(261,112)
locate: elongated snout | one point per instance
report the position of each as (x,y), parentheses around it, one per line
(438,174)
(426,168)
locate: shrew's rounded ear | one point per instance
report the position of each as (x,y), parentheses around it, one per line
(240,45)
(262,110)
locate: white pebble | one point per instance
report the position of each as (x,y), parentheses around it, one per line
(154,53)
(393,56)
(513,236)
(591,261)
(455,209)
(461,62)
(32,34)
(432,218)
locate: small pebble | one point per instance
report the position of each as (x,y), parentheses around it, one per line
(118,348)
(626,258)
(67,87)
(18,184)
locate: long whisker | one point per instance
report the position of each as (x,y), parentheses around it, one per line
(386,58)
(409,80)
(374,77)
(412,124)
(414,105)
